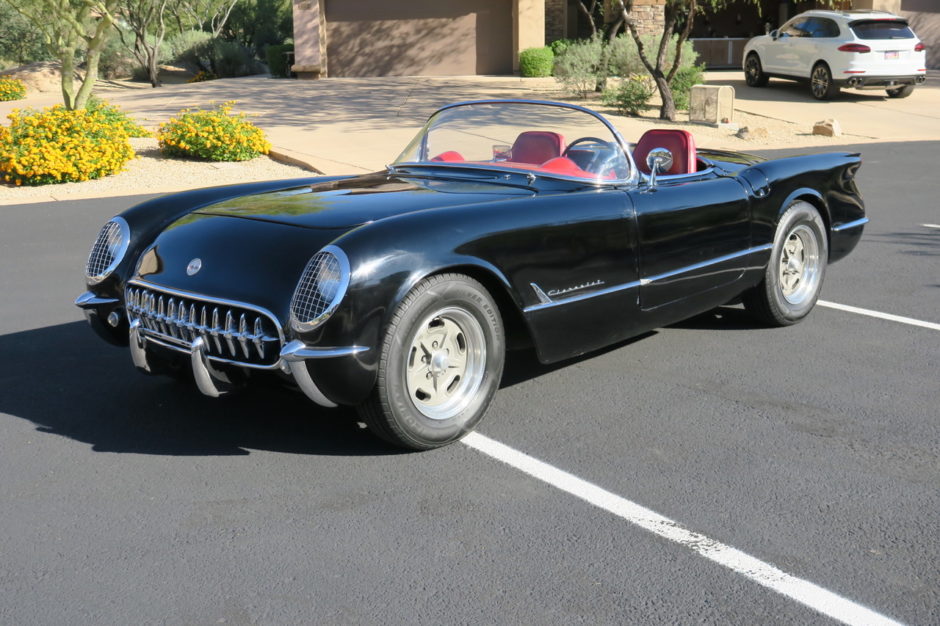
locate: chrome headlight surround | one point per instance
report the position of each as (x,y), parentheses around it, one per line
(321,288)
(108,250)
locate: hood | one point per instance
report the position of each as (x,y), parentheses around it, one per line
(353,201)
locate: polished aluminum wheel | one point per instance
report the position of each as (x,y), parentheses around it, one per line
(799,265)
(445,363)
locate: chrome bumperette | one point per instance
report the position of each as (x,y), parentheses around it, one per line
(88,300)
(230,332)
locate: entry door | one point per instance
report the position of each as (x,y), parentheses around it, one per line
(693,236)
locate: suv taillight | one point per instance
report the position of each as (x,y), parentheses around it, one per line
(920,47)
(854,47)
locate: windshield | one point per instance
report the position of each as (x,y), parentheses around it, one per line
(543,139)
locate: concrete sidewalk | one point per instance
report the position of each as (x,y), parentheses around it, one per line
(353,125)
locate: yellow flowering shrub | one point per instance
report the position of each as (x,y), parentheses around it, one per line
(202,76)
(215,134)
(12,89)
(56,145)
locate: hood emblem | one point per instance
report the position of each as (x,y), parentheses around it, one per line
(194,266)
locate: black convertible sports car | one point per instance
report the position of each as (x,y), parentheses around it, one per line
(503,223)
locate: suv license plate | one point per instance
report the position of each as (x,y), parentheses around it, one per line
(892,54)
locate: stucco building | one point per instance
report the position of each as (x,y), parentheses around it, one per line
(465,37)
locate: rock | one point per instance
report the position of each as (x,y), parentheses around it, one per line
(743,133)
(828,128)
(759,133)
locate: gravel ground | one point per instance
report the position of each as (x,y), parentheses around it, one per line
(151,172)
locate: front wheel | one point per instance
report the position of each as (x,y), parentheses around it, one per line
(754,72)
(901,92)
(440,365)
(794,275)
(821,84)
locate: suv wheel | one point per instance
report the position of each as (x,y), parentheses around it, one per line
(901,92)
(821,84)
(754,72)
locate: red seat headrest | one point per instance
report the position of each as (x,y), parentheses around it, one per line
(679,142)
(537,146)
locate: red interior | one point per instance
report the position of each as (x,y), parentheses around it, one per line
(679,142)
(537,146)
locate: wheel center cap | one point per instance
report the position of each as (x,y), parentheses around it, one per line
(438,363)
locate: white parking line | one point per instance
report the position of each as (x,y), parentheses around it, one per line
(884,316)
(803,591)
(931,225)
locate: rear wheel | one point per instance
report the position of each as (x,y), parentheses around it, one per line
(901,92)
(754,72)
(441,363)
(821,84)
(794,275)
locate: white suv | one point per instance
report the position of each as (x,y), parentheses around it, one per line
(834,49)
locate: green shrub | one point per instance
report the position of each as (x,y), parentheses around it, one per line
(225,59)
(112,114)
(179,45)
(624,59)
(682,84)
(117,61)
(580,67)
(277,60)
(536,62)
(631,96)
(560,45)
(216,135)
(56,145)
(12,89)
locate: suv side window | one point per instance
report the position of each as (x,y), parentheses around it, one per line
(823,28)
(796,28)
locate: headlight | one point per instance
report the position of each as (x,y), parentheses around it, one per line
(320,290)
(108,250)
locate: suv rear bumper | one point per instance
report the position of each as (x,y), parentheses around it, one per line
(881,82)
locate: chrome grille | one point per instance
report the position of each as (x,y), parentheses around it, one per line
(231,332)
(318,287)
(102,252)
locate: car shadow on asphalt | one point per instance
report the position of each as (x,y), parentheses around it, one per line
(67,382)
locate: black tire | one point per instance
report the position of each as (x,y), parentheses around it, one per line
(430,394)
(821,84)
(901,92)
(794,275)
(754,72)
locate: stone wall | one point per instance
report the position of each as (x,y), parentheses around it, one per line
(556,20)
(648,16)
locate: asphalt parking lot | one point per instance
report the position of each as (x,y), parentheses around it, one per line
(815,449)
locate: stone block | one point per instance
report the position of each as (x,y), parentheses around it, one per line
(828,128)
(711,104)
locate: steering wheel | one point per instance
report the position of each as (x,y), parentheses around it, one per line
(604,158)
(571,145)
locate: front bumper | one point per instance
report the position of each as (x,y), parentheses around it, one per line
(863,81)
(145,330)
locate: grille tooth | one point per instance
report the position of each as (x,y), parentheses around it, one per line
(216,329)
(256,338)
(171,320)
(194,326)
(203,329)
(243,335)
(161,315)
(229,332)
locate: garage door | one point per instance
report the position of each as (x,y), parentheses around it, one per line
(418,37)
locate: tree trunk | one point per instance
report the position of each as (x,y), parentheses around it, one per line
(668,109)
(68,73)
(153,69)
